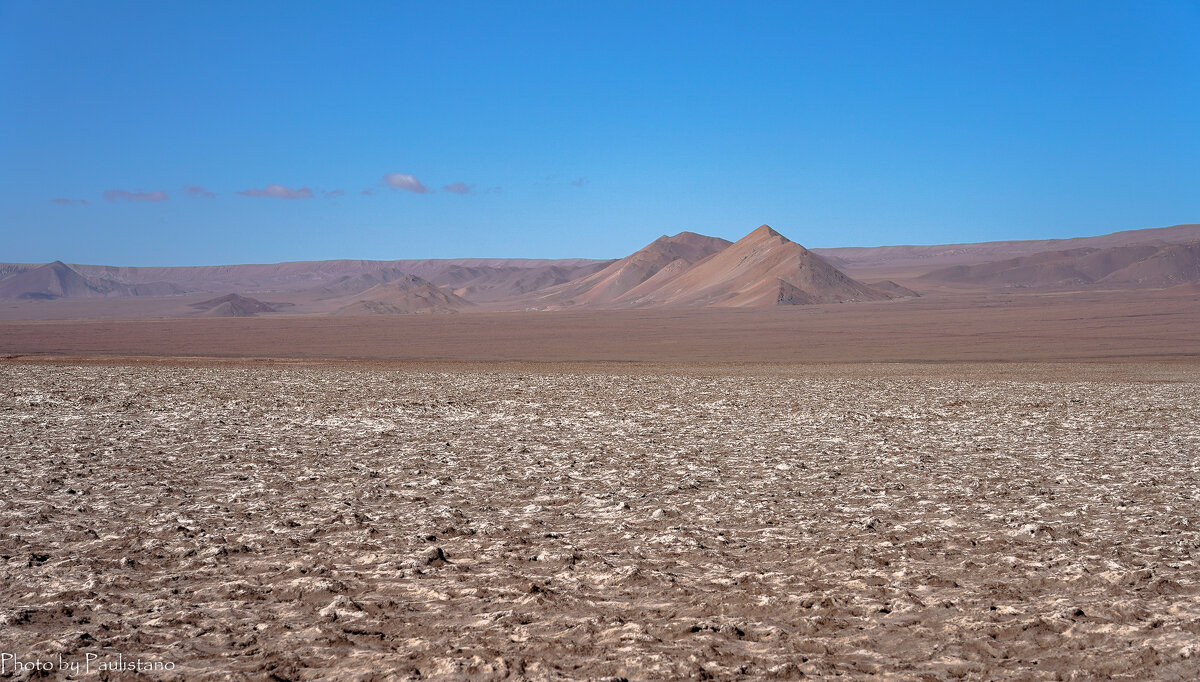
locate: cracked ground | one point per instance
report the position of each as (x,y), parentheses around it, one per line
(338,521)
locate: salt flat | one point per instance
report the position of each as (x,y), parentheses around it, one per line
(346,521)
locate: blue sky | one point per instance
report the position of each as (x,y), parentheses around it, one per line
(564,129)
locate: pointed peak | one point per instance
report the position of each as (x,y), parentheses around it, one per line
(762,233)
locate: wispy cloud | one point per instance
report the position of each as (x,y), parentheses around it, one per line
(368,191)
(459,188)
(123,195)
(69,202)
(333,193)
(278,192)
(198,191)
(408,183)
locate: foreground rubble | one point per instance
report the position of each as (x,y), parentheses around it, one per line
(326,522)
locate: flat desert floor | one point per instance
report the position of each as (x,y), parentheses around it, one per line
(302,521)
(977,327)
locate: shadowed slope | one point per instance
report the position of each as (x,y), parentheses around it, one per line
(482,284)
(932,257)
(233,305)
(610,286)
(52,280)
(353,284)
(408,294)
(1146,265)
(1169,266)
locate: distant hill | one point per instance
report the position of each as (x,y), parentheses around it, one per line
(1169,266)
(315,275)
(234,305)
(49,281)
(407,295)
(944,255)
(496,283)
(1145,265)
(59,280)
(352,284)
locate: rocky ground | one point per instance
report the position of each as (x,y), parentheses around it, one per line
(273,521)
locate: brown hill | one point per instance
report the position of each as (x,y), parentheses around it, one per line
(313,276)
(764,268)
(233,305)
(916,260)
(896,290)
(1137,265)
(406,295)
(1041,269)
(353,284)
(49,281)
(1169,266)
(610,285)
(492,283)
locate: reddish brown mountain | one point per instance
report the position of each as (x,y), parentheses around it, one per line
(764,268)
(608,287)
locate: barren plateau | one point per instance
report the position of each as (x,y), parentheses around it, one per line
(302,521)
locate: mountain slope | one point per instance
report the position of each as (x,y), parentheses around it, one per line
(764,268)
(233,305)
(407,295)
(861,260)
(312,276)
(49,281)
(609,285)
(1169,266)
(1147,265)
(484,284)
(353,284)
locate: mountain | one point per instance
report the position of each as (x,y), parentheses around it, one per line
(313,276)
(915,260)
(233,305)
(49,281)
(1169,266)
(1146,265)
(353,284)
(608,286)
(764,268)
(406,295)
(486,284)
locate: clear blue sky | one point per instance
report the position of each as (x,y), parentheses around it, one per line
(587,129)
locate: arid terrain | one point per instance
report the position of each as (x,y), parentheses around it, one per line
(686,271)
(299,520)
(706,460)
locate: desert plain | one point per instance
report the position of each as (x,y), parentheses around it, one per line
(302,520)
(966,462)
